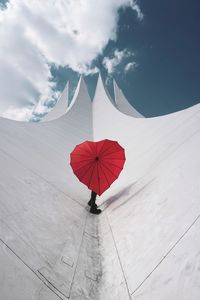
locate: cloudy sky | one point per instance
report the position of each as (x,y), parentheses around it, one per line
(151,48)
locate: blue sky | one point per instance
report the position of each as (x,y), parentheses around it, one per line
(167,47)
(151,48)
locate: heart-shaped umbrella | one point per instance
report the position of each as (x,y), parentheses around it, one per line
(97,164)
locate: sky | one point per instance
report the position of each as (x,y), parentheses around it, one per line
(151,49)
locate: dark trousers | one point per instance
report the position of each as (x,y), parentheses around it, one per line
(93,198)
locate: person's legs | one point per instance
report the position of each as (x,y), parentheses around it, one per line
(92,199)
(94,209)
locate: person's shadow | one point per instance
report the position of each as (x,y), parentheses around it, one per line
(125,194)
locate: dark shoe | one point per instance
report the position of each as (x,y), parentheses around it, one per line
(89,203)
(95,210)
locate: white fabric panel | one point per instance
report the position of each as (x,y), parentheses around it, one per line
(60,107)
(156,198)
(122,103)
(140,243)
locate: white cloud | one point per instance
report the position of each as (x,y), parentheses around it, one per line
(35,34)
(130,66)
(23,113)
(134,5)
(112,62)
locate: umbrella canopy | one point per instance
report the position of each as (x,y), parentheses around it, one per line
(97,164)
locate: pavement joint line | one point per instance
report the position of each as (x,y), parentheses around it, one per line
(67,261)
(79,252)
(48,280)
(89,276)
(177,126)
(91,235)
(35,173)
(154,165)
(129,294)
(22,239)
(34,272)
(168,252)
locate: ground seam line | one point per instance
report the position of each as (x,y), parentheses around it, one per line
(118,257)
(70,289)
(34,272)
(38,175)
(168,252)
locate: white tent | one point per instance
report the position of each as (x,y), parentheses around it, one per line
(145,244)
(60,107)
(123,105)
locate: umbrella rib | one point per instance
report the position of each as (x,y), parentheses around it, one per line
(102,147)
(114,165)
(89,145)
(113,158)
(82,177)
(91,175)
(98,178)
(108,169)
(86,150)
(74,154)
(84,166)
(106,149)
(104,175)
(113,152)
(89,159)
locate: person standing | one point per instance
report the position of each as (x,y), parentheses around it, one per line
(97,165)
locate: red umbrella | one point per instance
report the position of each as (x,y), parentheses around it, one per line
(97,164)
